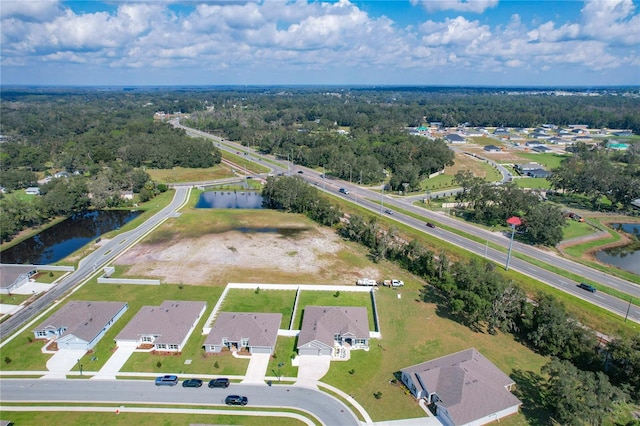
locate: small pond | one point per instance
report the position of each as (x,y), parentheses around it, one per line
(624,257)
(59,241)
(230,200)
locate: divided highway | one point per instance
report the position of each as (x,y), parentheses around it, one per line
(362,196)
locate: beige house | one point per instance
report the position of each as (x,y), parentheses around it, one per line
(166,327)
(80,325)
(463,388)
(331,330)
(255,332)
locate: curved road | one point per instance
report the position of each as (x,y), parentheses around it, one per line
(328,409)
(92,263)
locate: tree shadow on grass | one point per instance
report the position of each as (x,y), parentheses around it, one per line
(430,294)
(529,389)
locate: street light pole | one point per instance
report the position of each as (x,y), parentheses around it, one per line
(381,198)
(513,221)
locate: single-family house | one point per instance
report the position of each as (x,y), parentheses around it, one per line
(79,324)
(583,139)
(538,173)
(454,138)
(256,332)
(32,190)
(473,133)
(463,388)
(492,148)
(523,168)
(541,149)
(15,276)
(501,131)
(329,330)
(126,195)
(61,174)
(165,328)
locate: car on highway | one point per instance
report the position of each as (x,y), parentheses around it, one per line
(192,383)
(388,211)
(236,400)
(587,287)
(344,191)
(300,171)
(221,382)
(430,225)
(167,380)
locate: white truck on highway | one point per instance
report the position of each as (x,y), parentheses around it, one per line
(393,283)
(367,282)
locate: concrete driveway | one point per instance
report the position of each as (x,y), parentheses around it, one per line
(115,362)
(312,368)
(256,371)
(62,362)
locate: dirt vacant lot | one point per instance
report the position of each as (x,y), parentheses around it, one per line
(265,255)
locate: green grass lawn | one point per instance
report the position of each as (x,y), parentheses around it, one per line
(326,298)
(263,301)
(533,183)
(549,160)
(141,419)
(182,174)
(414,331)
(575,229)
(284,353)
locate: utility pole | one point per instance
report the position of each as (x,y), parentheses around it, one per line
(513,221)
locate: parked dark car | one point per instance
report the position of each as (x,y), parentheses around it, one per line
(221,382)
(587,287)
(192,383)
(430,225)
(236,400)
(168,380)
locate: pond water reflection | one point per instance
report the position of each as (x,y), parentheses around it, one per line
(230,200)
(59,241)
(624,257)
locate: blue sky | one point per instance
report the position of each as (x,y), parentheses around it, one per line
(364,42)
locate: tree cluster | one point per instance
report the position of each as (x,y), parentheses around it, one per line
(593,173)
(493,205)
(477,295)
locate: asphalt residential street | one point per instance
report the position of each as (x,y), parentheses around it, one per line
(327,408)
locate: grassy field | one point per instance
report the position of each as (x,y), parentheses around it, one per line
(181,174)
(263,301)
(45,418)
(462,162)
(415,329)
(549,160)
(575,229)
(533,183)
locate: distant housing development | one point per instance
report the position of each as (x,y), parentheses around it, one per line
(465,388)
(164,328)
(80,325)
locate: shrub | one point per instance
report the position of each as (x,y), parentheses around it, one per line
(158,364)
(377,395)
(7,360)
(216,365)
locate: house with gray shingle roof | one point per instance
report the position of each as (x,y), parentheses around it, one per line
(166,327)
(326,330)
(80,325)
(14,276)
(465,388)
(256,332)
